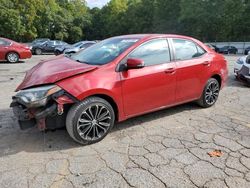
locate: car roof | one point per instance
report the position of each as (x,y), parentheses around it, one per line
(148,36)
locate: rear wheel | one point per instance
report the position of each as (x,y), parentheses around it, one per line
(38,51)
(90,121)
(12,57)
(57,52)
(210,93)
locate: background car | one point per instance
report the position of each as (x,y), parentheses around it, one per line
(13,51)
(116,79)
(79,46)
(39,40)
(247,50)
(228,50)
(242,69)
(73,48)
(47,46)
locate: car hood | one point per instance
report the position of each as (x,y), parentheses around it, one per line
(73,48)
(53,70)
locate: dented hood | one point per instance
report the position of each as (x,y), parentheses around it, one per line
(53,70)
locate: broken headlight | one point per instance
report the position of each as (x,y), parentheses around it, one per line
(37,96)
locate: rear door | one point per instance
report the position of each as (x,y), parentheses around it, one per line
(49,46)
(154,85)
(192,64)
(4,45)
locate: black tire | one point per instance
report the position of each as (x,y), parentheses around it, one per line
(208,93)
(57,52)
(79,112)
(12,57)
(38,51)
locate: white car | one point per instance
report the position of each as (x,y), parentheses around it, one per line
(242,69)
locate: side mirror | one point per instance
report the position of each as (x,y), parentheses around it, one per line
(134,64)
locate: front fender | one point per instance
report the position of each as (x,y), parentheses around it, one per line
(91,84)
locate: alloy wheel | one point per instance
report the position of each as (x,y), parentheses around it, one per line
(212,93)
(12,57)
(94,122)
(38,51)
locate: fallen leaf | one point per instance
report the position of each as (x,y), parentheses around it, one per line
(215,153)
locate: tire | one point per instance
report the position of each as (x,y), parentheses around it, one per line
(12,57)
(84,127)
(38,51)
(210,93)
(57,52)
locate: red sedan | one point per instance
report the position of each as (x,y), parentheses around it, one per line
(117,79)
(13,51)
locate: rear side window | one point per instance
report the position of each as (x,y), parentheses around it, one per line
(50,43)
(186,49)
(57,42)
(153,52)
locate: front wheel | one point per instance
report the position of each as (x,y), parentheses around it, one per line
(90,121)
(210,93)
(12,57)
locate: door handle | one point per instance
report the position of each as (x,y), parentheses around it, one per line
(170,70)
(206,63)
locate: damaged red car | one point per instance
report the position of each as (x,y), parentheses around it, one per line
(116,79)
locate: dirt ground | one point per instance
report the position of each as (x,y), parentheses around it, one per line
(168,148)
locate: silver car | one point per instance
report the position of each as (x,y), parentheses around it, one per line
(79,46)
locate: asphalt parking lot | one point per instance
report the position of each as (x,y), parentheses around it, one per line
(168,148)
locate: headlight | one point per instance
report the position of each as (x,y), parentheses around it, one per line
(248,59)
(239,61)
(37,96)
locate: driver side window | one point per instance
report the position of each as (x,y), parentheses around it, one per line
(153,52)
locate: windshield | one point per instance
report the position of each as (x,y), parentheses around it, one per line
(105,51)
(77,44)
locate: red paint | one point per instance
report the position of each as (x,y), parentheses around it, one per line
(22,50)
(135,91)
(53,70)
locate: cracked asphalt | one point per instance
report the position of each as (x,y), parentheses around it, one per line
(168,148)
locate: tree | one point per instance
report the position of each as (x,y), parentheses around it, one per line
(72,20)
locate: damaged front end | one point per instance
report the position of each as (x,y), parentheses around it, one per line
(244,74)
(44,106)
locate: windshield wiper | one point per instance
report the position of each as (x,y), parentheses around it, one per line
(82,62)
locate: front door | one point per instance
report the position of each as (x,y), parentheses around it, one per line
(153,86)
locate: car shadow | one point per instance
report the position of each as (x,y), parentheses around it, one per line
(6,62)
(13,140)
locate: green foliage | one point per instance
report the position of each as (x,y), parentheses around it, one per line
(72,20)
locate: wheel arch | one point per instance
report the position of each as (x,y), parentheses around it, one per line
(11,51)
(218,78)
(111,102)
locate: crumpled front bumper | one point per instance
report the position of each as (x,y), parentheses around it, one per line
(52,112)
(28,118)
(244,74)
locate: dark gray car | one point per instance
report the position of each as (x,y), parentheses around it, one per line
(47,47)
